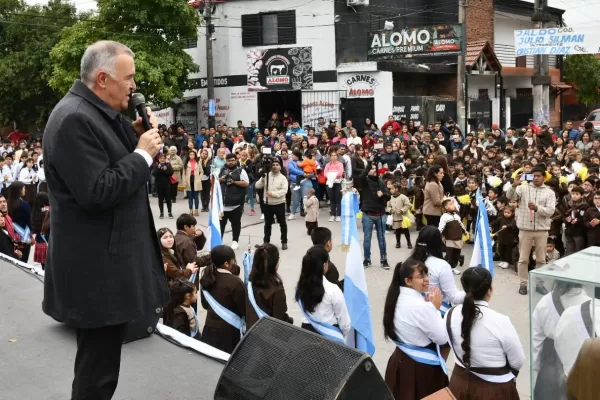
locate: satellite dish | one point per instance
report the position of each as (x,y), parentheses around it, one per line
(388,26)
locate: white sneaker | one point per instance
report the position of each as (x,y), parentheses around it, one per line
(503,265)
(262,216)
(455,271)
(297,187)
(234,245)
(291,217)
(331,219)
(338,219)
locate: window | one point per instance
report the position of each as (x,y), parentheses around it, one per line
(269,28)
(521,62)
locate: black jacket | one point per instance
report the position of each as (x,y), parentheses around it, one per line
(104,265)
(370,202)
(162,174)
(358,167)
(391,159)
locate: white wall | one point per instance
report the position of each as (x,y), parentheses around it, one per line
(477,82)
(505,26)
(314,21)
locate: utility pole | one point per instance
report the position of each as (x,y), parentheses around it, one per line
(461,71)
(210,81)
(541,77)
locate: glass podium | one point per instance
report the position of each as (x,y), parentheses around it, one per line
(562,315)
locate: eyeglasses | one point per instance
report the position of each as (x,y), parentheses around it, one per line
(421,276)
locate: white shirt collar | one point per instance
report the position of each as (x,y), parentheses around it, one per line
(410,292)
(224,271)
(482,303)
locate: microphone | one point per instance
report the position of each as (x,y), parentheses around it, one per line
(530,215)
(139,103)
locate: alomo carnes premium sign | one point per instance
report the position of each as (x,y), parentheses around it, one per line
(433,40)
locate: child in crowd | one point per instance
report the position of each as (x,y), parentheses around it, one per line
(311,208)
(452,230)
(179,313)
(419,184)
(575,228)
(506,235)
(308,165)
(551,253)
(591,220)
(398,207)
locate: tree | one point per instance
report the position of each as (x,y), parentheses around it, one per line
(584,72)
(155,30)
(27,34)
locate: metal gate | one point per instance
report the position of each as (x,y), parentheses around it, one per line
(480,112)
(521,110)
(326,104)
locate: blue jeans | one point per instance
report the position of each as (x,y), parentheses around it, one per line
(193,199)
(367,222)
(298,195)
(250,193)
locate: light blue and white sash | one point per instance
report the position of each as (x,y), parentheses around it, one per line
(257,309)
(329,331)
(443,308)
(226,315)
(248,259)
(25,233)
(196,327)
(423,355)
(44,238)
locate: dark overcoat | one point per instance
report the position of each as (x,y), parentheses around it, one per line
(104,265)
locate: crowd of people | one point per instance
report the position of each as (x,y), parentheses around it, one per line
(539,190)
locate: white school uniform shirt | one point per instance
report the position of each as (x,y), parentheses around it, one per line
(416,321)
(494,339)
(545,319)
(571,333)
(6,170)
(332,309)
(16,169)
(441,276)
(26,175)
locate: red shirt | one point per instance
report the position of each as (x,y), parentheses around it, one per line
(395,127)
(17,136)
(9,227)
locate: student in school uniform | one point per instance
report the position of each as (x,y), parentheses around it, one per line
(415,369)
(487,350)
(583,383)
(574,327)
(322,303)
(591,220)
(429,250)
(321,236)
(223,295)
(265,292)
(548,373)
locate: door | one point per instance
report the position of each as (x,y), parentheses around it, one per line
(357,110)
(279,102)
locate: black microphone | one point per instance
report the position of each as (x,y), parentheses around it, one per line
(139,103)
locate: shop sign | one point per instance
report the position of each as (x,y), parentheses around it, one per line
(287,68)
(360,85)
(408,107)
(434,40)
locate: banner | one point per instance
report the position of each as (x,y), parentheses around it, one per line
(408,107)
(434,40)
(317,105)
(288,68)
(559,41)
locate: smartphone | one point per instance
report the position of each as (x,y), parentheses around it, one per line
(527,177)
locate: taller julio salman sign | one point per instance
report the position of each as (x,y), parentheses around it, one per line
(557,41)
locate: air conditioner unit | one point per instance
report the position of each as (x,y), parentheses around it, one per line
(351,3)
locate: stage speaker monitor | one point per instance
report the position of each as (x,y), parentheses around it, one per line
(279,361)
(142,327)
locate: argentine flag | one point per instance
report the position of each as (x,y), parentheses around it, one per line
(214,215)
(355,284)
(482,250)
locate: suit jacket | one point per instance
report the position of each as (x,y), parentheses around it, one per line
(104,265)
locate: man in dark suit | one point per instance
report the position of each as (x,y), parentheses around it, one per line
(104,267)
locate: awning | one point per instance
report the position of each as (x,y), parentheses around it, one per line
(482,59)
(560,87)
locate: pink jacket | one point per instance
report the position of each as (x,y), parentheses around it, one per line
(336,167)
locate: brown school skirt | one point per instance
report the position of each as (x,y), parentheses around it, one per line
(411,380)
(465,385)
(222,339)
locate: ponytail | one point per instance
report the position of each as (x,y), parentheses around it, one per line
(264,266)
(179,288)
(476,282)
(219,255)
(402,272)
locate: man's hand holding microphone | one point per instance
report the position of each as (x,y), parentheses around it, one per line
(146,126)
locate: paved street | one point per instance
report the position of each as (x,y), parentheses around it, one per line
(505,300)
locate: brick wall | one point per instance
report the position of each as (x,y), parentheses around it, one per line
(480,21)
(424,84)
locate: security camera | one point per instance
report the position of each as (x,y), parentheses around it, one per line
(212,37)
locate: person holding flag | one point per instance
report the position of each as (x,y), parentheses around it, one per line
(355,283)
(483,255)
(214,215)
(265,294)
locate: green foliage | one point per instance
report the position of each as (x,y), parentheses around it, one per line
(27,34)
(584,72)
(154,29)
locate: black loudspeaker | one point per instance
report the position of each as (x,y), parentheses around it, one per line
(143,327)
(279,361)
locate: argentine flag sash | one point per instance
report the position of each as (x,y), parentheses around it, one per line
(423,355)
(226,315)
(25,233)
(329,331)
(248,259)
(257,309)
(444,307)
(196,327)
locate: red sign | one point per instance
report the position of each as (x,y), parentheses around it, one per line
(361,92)
(278,80)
